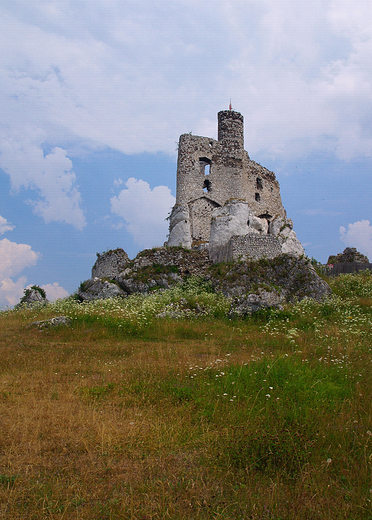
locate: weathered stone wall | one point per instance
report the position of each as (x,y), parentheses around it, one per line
(210,173)
(246,247)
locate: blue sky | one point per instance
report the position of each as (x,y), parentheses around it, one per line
(94,95)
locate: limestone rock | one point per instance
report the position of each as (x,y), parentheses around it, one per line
(179,227)
(97,289)
(258,225)
(33,296)
(234,219)
(296,278)
(161,268)
(227,221)
(110,264)
(282,229)
(350,254)
(254,302)
(52,322)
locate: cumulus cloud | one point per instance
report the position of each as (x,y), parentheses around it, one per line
(358,235)
(11,292)
(144,211)
(50,175)
(14,258)
(5,225)
(135,77)
(54,291)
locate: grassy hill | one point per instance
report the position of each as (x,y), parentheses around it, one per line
(158,407)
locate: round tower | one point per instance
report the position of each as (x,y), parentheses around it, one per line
(231,127)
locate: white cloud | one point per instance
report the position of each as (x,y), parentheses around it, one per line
(5,225)
(14,258)
(11,292)
(54,291)
(133,77)
(358,235)
(50,175)
(144,211)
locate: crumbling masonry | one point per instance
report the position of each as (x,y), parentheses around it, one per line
(223,195)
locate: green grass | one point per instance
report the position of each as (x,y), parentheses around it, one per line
(126,414)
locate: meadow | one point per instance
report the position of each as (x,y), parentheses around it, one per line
(159,406)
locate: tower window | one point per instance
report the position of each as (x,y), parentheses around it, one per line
(207,185)
(257,197)
(259,184)
(205,165)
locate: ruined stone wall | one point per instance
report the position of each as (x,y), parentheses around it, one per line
(246,247)
(210,173)
(200,216)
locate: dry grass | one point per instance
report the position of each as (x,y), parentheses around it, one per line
(97,425)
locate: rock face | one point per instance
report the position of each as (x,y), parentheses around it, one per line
(350,254)
(222,194)
(236,233)
(296,278)
(251,285)
(253,302)
(110,264)
(33,295)
(97,289)
(179,228)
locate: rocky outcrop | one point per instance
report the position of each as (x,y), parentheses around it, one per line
(110,263)
(252,285)
(97,289)
(253,302)
(236,219)
(282,229)
(161,268)
(157,268)
(179,227)
(34,295)
(350,254)
(292,278)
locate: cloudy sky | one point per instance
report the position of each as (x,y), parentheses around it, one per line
(95,93)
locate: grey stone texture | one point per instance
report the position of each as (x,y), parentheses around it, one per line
(110,263)
(58,321)
(291,278)
(246,247)
(98,289)
(350,254)
(251,284)
(33,296)
(222,193)
(253,302)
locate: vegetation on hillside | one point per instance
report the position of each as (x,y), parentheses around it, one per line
(157,406)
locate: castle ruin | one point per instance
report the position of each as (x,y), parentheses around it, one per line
(226,202)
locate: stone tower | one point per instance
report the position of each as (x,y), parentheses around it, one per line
(218,176)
